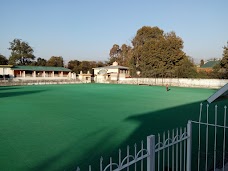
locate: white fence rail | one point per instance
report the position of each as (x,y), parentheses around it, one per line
(179,82)
(169,151)
(172,151)
(212,154)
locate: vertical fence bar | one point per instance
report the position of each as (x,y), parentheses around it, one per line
(90,169)
(181,149)
(224,139)
(215,143)
(172,150)
(168,149)
(177,156)
(135,155)
(101,165)
(163,152)
(159,140)
(128,148)
(184,152)
(206,139)
(151,151)
(110,163)
(141,155)
(189,146)
(120,159)
(201,105)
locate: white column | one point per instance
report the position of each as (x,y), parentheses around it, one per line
(23,74)
(189,146)
(151,151)
(34,73)
(53,74)
(44,74)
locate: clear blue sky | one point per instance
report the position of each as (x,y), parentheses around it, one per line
(87,29)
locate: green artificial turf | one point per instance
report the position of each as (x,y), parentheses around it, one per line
(60,127)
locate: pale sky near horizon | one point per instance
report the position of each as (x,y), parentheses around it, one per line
(86,29)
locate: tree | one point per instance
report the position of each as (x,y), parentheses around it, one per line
(125,55)
(201,62)
(186,69)
(85,66)
(146,34)
(156,54)
(114,54)
(56,61)
(74,66)
(224,61)
(100,64)
(3,60)
(41,62)
(21,53)
(143,36)
(120,55)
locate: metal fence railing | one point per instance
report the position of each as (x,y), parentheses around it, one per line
(212,139)
(171,151)
(199,146)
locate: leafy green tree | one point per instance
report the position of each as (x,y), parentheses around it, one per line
(120,55)
(146,34)
(74,66)
(56,61)
(186,69)
(3,60)
(114,54)
(203,74)
(216,72)
(201,62)
(21,53)
(126,52)
(85,66)
(223,66)
(100,64)
(39,62)
(157,54)
(224,61)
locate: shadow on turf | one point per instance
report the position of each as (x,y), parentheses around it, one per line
(90,157)
(11,94)
(149,123)
(8,88)
(221,98)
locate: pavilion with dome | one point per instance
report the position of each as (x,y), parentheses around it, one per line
(112,73)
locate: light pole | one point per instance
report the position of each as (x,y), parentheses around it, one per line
(138,73)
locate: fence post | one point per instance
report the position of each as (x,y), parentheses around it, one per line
(189,146)
(151,153)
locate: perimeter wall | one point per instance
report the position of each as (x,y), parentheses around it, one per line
(180,82)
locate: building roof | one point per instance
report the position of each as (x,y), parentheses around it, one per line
(39,68)
(112,67)
(6,66)
(210,64)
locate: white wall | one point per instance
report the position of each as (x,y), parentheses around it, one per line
(6,71)
(181,82)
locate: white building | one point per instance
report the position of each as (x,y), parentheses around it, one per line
(35,72)
(111,73)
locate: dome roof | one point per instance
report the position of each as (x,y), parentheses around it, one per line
(115,63)
(102,71)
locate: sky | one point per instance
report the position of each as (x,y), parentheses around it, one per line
(87,29)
